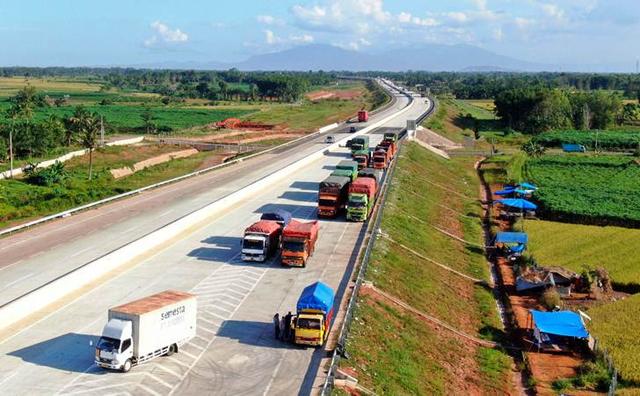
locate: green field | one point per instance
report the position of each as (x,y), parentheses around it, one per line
(575,245)
(396,353)
(616,326)
(606,140)
(587,189)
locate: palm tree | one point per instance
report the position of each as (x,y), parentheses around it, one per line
(76,123)
(90,131)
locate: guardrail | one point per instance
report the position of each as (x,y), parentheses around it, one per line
(37,299)
(346,324)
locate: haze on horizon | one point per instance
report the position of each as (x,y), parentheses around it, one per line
(83,33)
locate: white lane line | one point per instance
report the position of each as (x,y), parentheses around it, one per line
(98,389)
(208,321)
(188,354)
(11,264)
(148,390)
(8,285)
(79,252)
(167,370)
(159,380)
(165,213)
(8,377)
(177,361)
(193,344)
(207,330)
(274,375)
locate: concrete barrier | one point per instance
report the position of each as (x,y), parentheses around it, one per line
(56,289)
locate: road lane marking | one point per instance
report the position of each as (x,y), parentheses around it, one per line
(275,374)
(159,380)
(80,252)
(148,390)
(8,285)
(167,370)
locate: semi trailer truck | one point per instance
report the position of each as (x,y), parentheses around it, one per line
(363,116)
(147,328)
(332,195)
(359,143)
(261,240)
(313,319)
(362,193)
(299,242)
(381,158)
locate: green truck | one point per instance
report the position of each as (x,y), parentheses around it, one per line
(359,143)
(347,169)
(391,137)
(362,194)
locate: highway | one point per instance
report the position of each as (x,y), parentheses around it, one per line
(234,351)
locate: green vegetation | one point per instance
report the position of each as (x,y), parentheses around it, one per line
(606,140)
(587,189)
(575,246)
(395,352)
(616,326)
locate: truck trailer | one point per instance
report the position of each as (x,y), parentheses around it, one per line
(362,193)
(359,143)
(261,240)
(346,168)
(332,195)
(280,216)
(144,329)
(375,174)
(363,116)
(313,319)
(362,157)
(299,242)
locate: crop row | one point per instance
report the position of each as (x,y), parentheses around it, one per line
(606,140)
(602,190)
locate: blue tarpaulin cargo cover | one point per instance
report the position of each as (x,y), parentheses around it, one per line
(511,237)
(279,215)
(528,186)
(560,323)
(316,296)
(518,203)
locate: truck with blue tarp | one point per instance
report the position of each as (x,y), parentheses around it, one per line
(312,322)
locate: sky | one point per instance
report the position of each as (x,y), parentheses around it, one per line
(118,32)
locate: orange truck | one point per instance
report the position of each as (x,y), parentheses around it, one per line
(299,242)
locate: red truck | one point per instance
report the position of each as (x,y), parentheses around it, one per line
(332,195)
(381,157)
(389,146)
(363,116)
(362,193)
(261,240)
(299,242)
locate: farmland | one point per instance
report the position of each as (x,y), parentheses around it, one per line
(575,245)
(394,352)
(611,140)
(587,189)
(616,326)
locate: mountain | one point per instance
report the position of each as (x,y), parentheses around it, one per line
(432,57)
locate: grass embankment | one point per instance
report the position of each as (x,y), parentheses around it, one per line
(21,201)
(395,352)
(457,120)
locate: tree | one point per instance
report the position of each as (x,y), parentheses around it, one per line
(533,149)
(90,131)
(22,108)
(75,124)
(148,120)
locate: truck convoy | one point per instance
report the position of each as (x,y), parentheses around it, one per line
(299,242)
(332,195)
(362,193)
(261,240)
(312,322)
(363,116)
(362,157)
(359,143)
(346,168)
(144,329)
(381,157)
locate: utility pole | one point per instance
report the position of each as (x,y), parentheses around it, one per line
(101,132)
(11,151)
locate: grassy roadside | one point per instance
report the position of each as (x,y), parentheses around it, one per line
(394,352)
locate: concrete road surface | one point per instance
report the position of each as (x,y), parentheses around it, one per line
(234,351)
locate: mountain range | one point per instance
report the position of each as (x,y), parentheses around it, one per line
(432,57)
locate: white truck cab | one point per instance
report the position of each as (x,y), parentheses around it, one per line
(115,348)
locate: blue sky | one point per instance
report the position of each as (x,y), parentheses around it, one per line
(117,32)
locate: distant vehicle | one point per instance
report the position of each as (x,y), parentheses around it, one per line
(573,148)
(363,116)
(353,129)
(329,139)
(145,329)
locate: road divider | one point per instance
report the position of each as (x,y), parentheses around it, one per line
(52,291)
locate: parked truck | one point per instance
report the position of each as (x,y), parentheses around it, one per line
(332,195)
(299,242)
(313,319)
(363,116)
(144,329)
(359,143)
(346,168)
(375,174)
(362,194)
(261,240)
(362,157)
(391,137)
(381,158)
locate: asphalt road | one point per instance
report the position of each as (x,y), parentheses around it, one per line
(32,258)
(234,351)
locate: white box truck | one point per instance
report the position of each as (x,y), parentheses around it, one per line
(147,328)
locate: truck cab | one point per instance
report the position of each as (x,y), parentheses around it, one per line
(261,240)
(310,328)
(254,247)
(315,314)
(362,158)
(357,207)
(114,349)
(360,143)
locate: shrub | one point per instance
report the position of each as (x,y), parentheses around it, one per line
(551,299)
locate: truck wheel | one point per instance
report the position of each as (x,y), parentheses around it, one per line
(126,366)
(172,349)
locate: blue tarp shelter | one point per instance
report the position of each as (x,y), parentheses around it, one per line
(506,191)
(511,237)
(318,296)
(528,186)
(518,203)
(560,323)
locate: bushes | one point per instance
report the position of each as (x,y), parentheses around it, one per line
(607,140)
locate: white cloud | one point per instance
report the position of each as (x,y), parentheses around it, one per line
(459,17)
(269,20)
(480,4)
(498,35)
(272,39)
(304,38)
(164,34)
(553,11)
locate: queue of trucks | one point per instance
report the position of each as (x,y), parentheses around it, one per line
(160,324)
